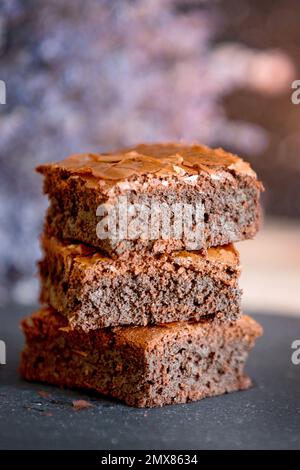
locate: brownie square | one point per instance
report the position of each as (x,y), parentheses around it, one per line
(221,190)
(94,291)
(142,366)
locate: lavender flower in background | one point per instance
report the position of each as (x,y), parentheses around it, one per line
(94,75)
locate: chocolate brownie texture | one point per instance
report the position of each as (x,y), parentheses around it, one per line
(221,184)
(142,366)
(96,291)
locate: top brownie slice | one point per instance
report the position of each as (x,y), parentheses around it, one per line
(159,197)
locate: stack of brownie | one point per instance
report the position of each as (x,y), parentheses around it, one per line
(148,320)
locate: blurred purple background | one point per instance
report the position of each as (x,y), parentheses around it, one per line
(93,75)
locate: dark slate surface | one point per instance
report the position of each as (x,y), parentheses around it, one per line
(265,417)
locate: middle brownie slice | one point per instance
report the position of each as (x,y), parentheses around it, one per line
(95,291)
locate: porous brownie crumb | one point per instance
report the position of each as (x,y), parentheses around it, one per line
(94,291)
(222,184)
(142,366)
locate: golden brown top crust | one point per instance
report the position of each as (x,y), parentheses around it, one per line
(161,160)
(226,254)
(48,321)
(148,337)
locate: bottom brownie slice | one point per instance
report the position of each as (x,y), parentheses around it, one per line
(143,366)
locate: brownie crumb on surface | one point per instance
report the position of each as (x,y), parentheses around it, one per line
(81,404)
